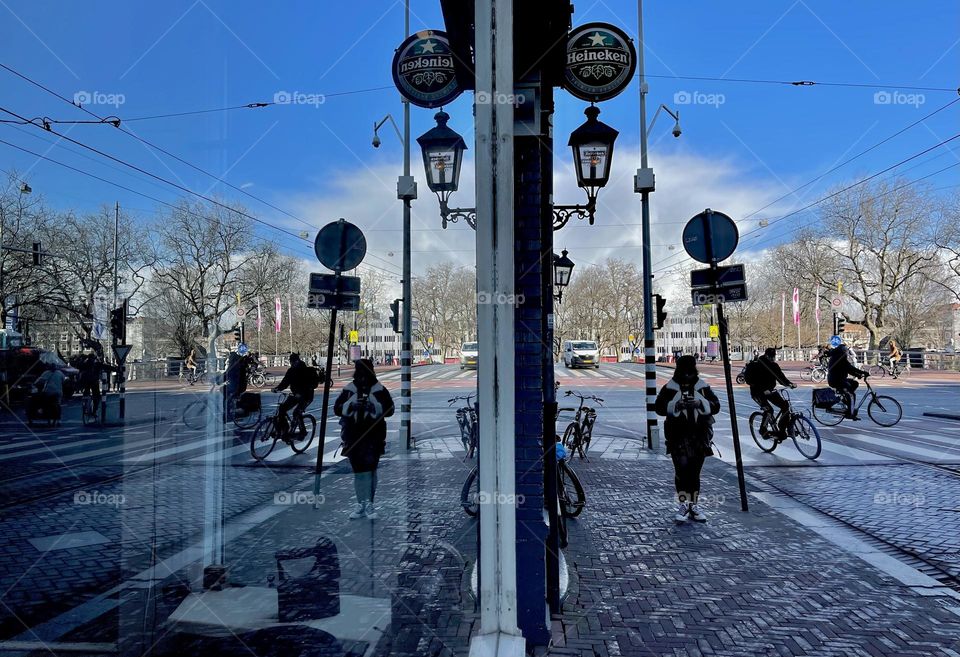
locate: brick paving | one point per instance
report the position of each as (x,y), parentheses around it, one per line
(743,584)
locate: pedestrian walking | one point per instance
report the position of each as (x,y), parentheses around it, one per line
(363,406)
(689,406)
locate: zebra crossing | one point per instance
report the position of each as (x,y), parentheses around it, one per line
(627,374)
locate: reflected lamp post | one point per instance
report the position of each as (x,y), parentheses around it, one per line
(562,269)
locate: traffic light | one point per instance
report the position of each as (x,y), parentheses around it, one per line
(343,334)
(118,324)
(840,321)
(395,315)
(238,333)
(36,254)
(661,316)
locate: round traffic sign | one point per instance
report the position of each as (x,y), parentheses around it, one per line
(243,349)
(710,237)
(340,245)
(837,301)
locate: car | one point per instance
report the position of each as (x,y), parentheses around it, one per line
(23,365)
(469,355)
(581,353)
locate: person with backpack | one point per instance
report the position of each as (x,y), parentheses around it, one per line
(839,370)
(363,406)
(302,381)
(689,406)
(763,375)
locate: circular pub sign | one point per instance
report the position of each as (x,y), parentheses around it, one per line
(601,60)
(423,69)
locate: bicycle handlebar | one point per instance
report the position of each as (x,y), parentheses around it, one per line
(581,397)
(466,398)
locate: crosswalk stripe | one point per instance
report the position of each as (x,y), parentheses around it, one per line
(188,447)
(126,445)
(284,451)
(55,447)
(595,374)
(903,448)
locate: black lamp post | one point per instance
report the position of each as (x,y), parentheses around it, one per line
(442,149)
(562,269)
(592,145)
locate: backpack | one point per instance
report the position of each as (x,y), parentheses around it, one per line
(315,378)
(751,373)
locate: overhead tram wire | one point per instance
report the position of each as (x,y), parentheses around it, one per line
(851,159)
(664,262)
(148,143)
(805,83)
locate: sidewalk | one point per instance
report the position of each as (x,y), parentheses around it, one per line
(756,583)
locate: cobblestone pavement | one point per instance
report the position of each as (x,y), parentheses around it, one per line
(913,507)
(742,584)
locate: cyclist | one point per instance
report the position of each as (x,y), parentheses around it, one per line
(762,376)
(192,363)
(91,373)
(823,355)
(838,371)
(302,381)
(894,356)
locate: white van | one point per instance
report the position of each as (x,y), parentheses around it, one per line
(469,353)
(581,353)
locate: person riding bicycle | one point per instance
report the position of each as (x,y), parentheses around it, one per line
(91,373)
(839,370)
(302,381)
(191,363)
(763,376)
(823,355)
(895,355)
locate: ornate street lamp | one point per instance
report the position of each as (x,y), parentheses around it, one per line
(562,269)
(443,150)
(592,145)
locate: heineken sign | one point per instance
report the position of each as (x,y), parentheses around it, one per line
(423,69)
(601,60)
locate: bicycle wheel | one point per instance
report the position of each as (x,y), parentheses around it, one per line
(884,410)
(470,493)
(474,440)
(86,411)
(806,374)
(245,419)
(585,436)
(806,437)
(878,371)
(301,443)
(832,416)
(257,380)
(195,414)
(572,497)
(571,437)
(818,375)
(264,438)
(464,432)
(761,434)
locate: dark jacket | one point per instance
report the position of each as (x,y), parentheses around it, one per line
(840,367)
(300,379)
(688,431)
(363,431)
(767,375)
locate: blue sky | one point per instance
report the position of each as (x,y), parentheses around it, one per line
(744,144)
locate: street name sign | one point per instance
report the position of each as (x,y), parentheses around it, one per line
(330,291)
(722,276)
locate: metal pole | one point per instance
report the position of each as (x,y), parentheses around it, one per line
(649,347)
(327,384)
(406,391)
(732,404)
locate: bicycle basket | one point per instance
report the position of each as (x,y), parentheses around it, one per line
(824,397)
(249,402)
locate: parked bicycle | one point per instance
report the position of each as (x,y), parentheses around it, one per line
(297,432)
(579,432)
(766,432)
(830,408)
(244,412)
(570,493)
(467,421)
(816,373)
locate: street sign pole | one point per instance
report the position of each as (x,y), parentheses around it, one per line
(725,355)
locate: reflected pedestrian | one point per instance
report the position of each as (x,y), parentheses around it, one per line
(689,406)
(363,406)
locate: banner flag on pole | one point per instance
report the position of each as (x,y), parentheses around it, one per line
(259,318)
(278,314)
(817,313)
(796,306)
